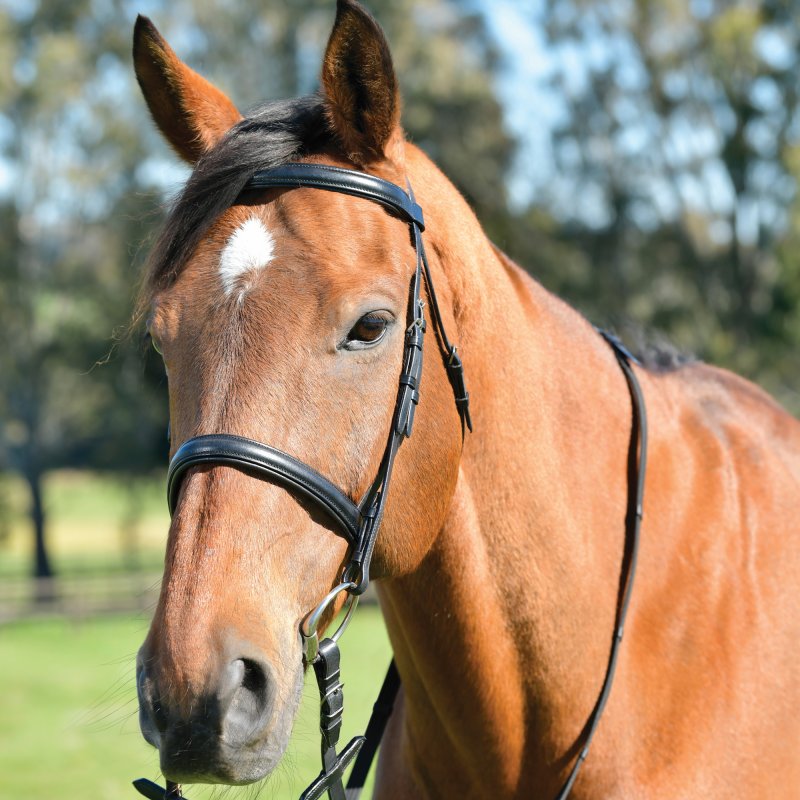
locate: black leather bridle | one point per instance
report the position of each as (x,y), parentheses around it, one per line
(360,522)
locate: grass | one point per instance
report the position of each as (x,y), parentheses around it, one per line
(68,724)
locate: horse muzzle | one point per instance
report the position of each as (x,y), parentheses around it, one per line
(226,732)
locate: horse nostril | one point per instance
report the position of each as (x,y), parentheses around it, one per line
(152,713)
(244,674)
(254,679)
(249,700)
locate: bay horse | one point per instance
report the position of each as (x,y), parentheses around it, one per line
(281,317)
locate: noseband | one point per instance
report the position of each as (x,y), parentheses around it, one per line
(359,523)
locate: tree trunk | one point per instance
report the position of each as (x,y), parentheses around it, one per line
(42,569)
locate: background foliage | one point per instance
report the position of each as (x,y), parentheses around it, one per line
(664,197)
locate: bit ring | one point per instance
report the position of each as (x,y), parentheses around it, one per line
(308,627)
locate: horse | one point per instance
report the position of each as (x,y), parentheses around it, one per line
(281,316)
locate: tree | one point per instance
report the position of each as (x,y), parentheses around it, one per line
(72,161)
(677,170)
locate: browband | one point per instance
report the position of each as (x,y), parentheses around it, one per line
(345,181)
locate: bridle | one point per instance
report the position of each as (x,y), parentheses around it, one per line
(360,522)
(357,523)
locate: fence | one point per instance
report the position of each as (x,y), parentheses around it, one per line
(78,596)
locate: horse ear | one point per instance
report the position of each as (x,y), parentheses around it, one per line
(361,95)
(192,114)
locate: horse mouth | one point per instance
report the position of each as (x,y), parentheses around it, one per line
(220,764)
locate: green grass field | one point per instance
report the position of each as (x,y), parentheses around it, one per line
(68,724)
(68,713)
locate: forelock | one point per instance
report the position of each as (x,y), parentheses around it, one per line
(271,135)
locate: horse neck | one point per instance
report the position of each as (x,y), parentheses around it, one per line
(502,633)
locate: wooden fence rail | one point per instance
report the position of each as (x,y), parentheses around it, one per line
(78,596)
(86,596)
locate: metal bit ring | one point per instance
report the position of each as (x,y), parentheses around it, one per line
(308,627)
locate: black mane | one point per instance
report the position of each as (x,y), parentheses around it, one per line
(655,351)
(271,135)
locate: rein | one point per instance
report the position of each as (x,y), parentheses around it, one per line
(359,523)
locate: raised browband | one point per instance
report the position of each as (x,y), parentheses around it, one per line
(266,462)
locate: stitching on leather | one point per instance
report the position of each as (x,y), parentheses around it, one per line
(375,192)
(333,508)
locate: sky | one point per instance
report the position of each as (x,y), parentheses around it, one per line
(527,64)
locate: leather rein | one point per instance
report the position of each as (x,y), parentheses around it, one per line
(359,523)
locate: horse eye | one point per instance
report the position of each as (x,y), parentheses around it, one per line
(149,334)
(368,330)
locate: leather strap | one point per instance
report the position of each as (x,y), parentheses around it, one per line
(152,791)
(331,695)
(453,364)
(381,712)
(408,395)
(637,466)
(267,462)
(337,179)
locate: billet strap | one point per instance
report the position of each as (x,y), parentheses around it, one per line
(266,462)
